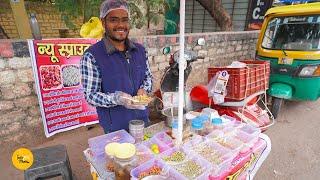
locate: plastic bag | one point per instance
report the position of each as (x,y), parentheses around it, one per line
(217,87)
(92,29)
(237,64)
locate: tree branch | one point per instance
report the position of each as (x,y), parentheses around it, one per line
(3,34)
(219,14)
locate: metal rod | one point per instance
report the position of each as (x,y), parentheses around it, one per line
(192,16)
(181,71)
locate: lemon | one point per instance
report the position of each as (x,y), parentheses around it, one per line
(156,151)
(154,146)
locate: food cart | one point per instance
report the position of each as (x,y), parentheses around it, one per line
(227,150)
(238,156)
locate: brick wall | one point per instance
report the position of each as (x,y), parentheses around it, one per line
(50,21)
(7,20)
(48,18)
(19,109)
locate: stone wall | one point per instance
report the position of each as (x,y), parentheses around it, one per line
(19,109)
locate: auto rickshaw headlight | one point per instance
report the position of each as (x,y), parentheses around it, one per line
(309,71)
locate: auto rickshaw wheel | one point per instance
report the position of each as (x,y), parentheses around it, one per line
(276,106)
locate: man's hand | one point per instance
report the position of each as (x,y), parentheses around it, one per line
(141,92)
(124,99)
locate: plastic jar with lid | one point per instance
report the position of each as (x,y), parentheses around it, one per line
(211,113)
(197,126)
(216,123)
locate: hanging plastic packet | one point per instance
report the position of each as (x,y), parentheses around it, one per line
(237,64)
(217,87)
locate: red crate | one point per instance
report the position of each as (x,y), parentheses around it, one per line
(244,82)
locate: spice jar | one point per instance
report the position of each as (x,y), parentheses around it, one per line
(215,123)
(197,127)
(136,128)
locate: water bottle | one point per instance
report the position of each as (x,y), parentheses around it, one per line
(174,127)
(35,27)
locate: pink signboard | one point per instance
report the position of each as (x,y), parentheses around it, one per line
(56,70)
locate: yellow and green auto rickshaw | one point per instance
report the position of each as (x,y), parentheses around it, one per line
(290,40)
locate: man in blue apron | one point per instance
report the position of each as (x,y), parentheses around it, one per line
(115,69)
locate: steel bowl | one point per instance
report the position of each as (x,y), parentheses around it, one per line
(171,114)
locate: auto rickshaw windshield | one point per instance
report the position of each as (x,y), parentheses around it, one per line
(296,33)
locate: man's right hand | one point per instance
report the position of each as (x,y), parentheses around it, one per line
(124,99)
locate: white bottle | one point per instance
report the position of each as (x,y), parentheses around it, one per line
(36,33)
(174,126)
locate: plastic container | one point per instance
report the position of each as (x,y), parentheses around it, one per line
(191,115)
(215,134)
(204,167)
(154,141)
(217,123)
(211,113)
(230,143)
(250,130)
(100,164)
(236,124)
(193,142)
(166,171)
(249,140)
(248,135)
(197,126)
(230,131)
(168,153)
(229,118)
(97,144)
(143,154)
(165,138)
(136,128)
(219,156)
(206,121)
(245,81)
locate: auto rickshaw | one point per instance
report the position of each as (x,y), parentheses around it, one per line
(290,40)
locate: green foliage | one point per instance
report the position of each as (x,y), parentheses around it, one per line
(137,18)
(154,12)
(73,9)
(171,17)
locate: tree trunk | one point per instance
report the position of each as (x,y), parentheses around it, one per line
(3,34)
(148,17)
(219,14)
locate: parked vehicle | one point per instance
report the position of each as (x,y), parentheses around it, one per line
(168,93)
(290,40)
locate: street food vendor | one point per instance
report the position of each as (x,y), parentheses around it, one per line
(115,69)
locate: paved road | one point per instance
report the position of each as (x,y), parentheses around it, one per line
(295,153)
